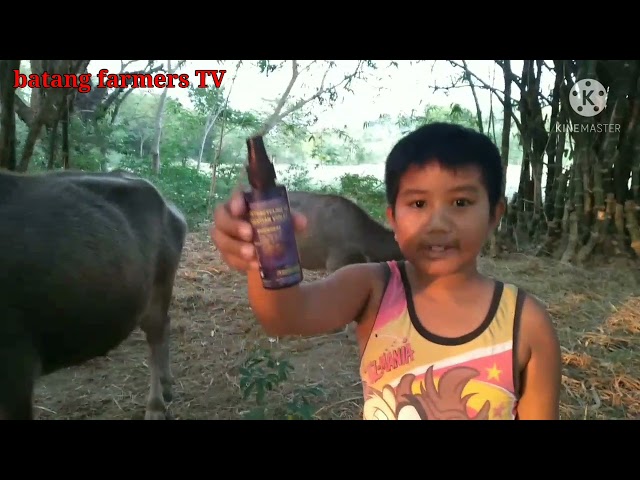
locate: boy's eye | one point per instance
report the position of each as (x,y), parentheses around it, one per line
(419,203)
(461,202)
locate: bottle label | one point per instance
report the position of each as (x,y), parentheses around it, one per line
(274,238)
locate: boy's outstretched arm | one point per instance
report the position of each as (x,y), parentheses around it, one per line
(306,309)
(316,307)
(542,375)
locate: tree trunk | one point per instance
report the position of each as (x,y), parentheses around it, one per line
(155,149)
(7,114)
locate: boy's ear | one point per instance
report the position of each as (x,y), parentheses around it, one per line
(390,217)
(498,212)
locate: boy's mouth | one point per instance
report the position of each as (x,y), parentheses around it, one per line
(438,250)
(439,245)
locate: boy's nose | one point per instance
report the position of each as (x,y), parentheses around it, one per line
(438,221)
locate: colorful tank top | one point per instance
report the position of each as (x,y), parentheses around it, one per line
(409,373)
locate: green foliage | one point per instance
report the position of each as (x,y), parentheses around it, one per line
(455,114)
(262,375)
(189,189)
(297,177)
(366,190)
(185,187)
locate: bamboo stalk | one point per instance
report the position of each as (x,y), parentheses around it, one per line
(630,210)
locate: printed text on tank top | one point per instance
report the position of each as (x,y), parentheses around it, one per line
(409,373)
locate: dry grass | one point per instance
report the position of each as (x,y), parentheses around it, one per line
(214,332)
(597,317)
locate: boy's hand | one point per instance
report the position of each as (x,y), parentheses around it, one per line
(232,234)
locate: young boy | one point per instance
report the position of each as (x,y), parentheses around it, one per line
(437,339)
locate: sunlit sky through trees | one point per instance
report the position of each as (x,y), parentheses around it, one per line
(396,91)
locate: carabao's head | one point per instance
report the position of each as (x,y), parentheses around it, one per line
(444,194)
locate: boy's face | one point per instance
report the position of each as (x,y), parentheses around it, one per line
(442,218)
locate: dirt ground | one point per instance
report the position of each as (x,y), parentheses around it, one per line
(597,314)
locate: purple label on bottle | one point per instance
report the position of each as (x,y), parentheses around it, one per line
(274,238)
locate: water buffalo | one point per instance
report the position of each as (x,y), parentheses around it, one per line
(85,259)
(340,233)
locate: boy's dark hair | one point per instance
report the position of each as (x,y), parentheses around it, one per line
(453,146)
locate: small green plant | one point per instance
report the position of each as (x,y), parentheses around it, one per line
(300,406)
(262,374)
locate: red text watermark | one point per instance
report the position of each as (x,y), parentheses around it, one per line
(82,82)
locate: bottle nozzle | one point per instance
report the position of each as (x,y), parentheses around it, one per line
(260,170)
(256,148)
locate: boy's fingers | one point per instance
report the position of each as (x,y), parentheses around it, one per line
(237,205)
(228,224)
(239,263)
(232,246)
(236,263)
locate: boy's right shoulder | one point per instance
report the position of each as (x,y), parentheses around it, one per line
(365,274)
(373,274)
(364,280)
(374,278)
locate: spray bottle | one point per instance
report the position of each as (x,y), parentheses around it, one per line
(270,217)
